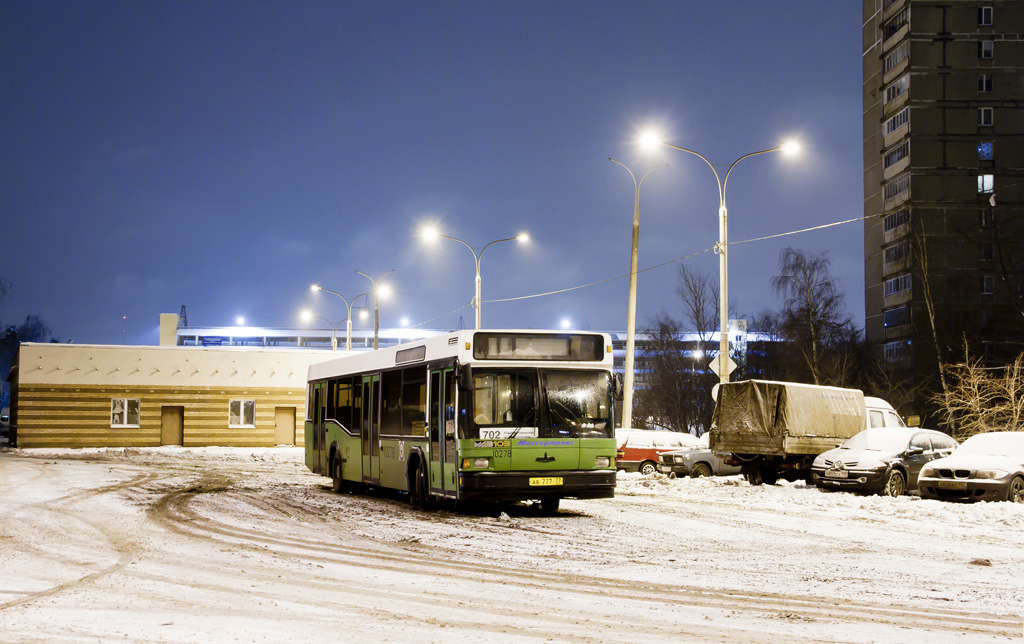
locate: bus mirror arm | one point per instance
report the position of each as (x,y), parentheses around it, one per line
(617,386)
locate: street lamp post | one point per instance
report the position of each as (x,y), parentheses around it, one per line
(428,233)
(376,307)
(308,315)
(627,394)
(722,248)
(348,307)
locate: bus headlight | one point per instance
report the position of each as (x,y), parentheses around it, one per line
(602,461)
(476,463)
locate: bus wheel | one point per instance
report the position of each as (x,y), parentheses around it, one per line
(549,504)
(418,487)
(337,483)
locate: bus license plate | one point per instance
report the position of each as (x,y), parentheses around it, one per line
(837,474)
(952,485)
(545,480)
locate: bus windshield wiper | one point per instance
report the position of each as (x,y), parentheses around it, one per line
(520,426)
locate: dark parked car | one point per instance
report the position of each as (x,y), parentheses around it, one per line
(987,467)
(882,460)
(695,462)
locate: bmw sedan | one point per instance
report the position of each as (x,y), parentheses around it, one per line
(882,460)
(987,467)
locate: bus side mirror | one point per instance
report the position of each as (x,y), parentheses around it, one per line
(617,387)
(465,378)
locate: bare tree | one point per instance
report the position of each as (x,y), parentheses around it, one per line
(983,399)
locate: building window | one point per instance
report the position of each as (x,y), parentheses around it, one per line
(897,88)
(897,285)
(985,16)
(898,120)
(898,186)
(896,252)
(894,24)
(988,284)
(897,316)
(984,49)
(242,413)
(985,151)
(124,412)
(986,218)
(894,219)
(896,154)
(899,350)
(897,56)
(984,82)
(985,116)
(986,183)
(988,251)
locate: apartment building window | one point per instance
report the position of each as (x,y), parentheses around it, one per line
(897,120)
(897,56)
(897,88)
(242,413)
(988,251)
(894,219)
(986,183)
(984,49)
(988,284)
(985,117)
(985,16)
(899,350)
(897,316)
(888,3)
(896,252)
(986,218)
(984,83)
(898,153)
(125,412)
(898,186)
(985,151)
(894,24)
(898,285)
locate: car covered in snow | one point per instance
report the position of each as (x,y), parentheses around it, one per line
(986,467)
(638,449)
(695,462)
(881,460)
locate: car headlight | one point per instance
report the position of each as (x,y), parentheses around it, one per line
(990,474)
(602,461)
(679,459)
(927,471)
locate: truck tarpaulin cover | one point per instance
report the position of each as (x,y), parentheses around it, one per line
(763,407)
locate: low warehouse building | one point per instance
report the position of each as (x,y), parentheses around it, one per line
(69,395)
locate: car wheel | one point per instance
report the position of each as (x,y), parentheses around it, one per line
(700,469)
(1015,492)
(754,477)
(895,484)
(647,468)
(769,476)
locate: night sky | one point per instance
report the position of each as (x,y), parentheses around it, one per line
(226,155)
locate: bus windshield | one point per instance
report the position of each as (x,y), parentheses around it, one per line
(538,403)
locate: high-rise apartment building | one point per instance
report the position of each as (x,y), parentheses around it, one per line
(943,183)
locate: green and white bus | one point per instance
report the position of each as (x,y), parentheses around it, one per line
(472,415)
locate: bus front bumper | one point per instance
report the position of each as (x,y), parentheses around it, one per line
(525,486)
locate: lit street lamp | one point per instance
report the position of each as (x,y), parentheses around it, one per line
(724,366)
(627,394)
(308,315)
(429,232)
(383,291)
(348,306)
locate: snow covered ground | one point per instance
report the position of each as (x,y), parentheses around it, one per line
(224,545)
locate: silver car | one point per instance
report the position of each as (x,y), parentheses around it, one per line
(695,462)
(986,467)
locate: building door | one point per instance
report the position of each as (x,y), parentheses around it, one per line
(284,427)
(172,423)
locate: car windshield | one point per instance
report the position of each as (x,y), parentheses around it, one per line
(994,444)
(539,403)
(880,439)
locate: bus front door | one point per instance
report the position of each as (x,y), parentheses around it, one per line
(370,431)
(442,432)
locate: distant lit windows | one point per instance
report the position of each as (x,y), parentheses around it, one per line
(897,56)
(988,284)
(896,154)
(985,16)
(242,413)
(898,285)
(986,183)
(985,151)
(894,219)
(985,49)
(897,316)
(896,252)
(898,120)
(988,251)
(125,412)
(897,88)
(985,116)
(894,24)
(984,83)
(895,351)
